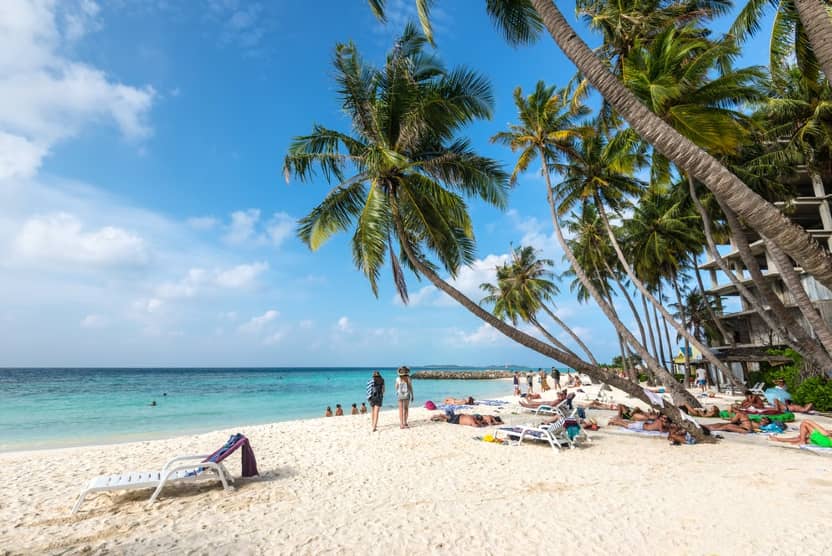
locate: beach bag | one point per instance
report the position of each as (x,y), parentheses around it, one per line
(430,405)
(402,390)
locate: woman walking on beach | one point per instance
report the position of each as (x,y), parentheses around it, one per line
(404,393)
(375,395)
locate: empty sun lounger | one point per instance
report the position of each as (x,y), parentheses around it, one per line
(177,471)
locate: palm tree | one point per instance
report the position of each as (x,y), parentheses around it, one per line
(520,21)
(601,171)
(523,288)
(548,130)
(814,15)
(409,170)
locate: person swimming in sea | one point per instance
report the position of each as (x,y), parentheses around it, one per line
(153,403)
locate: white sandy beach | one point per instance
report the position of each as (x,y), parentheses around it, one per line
(332,486)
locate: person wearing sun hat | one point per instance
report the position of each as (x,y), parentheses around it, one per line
(404,393)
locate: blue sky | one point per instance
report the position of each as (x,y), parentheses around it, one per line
(144,219)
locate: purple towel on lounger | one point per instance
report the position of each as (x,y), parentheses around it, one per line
(236,441)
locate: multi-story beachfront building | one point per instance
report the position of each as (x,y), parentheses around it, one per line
(810,208)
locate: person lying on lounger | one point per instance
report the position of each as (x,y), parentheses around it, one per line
(595,404)
(660,424)
(635,413)
(712,411)
(810,433)
(788,405)
(460,419)
(460,401)
(561,397)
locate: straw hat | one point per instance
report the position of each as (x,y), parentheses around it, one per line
(404,371)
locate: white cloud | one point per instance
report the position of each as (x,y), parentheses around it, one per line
(202,223)
(344,325)
(60,237)
(146,306)
(240,276)
(45,97)
(256,324)
(244,24)
(94,321)
(245,227)
(198,280)
(306,324)
(274,338)
(485,334)
(19,157)
(467,281)
(279,228)
(242,224)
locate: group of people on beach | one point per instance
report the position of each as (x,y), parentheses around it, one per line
(542,381)
(339,411)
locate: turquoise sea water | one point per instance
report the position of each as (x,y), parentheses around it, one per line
(42,408)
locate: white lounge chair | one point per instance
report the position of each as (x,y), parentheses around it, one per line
(555,434)
(758,389)
(170,473)
(175,470)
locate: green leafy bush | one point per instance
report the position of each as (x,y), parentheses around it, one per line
(816,390)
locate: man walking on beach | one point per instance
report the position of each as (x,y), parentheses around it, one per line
(556,378)
(530,381)
(516,384)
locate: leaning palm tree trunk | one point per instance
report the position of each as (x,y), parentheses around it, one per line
(680,395)
(670,354)
(792,281)
(794,336)
(571,333)
(649,327)
(816,22)
(819,354)
(726,337)
(764,216)
(596,373)
(554,341)
(680,329)
(659,333)
(630,303)
(683,314)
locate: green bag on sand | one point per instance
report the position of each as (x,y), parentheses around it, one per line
(786,417)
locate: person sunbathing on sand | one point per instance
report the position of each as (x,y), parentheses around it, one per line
(810,433)
(460,401)
(783,407)
(660,424)
(712,411)
(461,419)
(739,423)
(635,413)
(595,404)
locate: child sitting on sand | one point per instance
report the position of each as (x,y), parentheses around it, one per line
(338,411)
(363,408)
(354,409)
(328,412)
